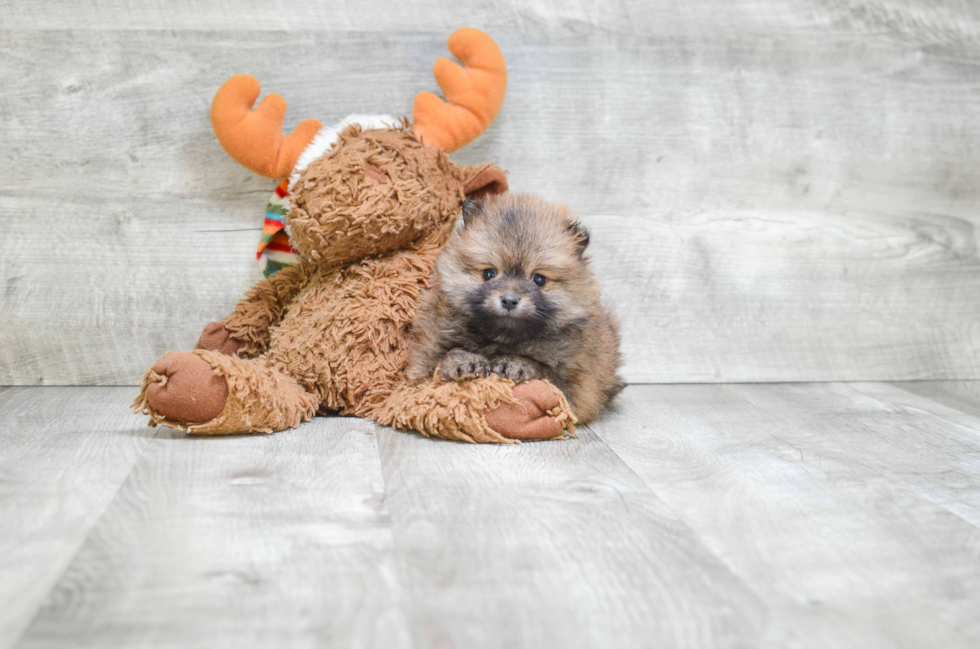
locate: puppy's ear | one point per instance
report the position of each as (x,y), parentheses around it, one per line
(580,235)
(484,181)
(472,210)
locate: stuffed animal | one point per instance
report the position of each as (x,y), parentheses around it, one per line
(372,202)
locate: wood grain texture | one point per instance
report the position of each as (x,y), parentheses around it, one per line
(941,21)
(550,545)
(64,453)
(950,480)
(770,516)
(237,542)
(791,197)
(849,509)
(805,296)
(962,395)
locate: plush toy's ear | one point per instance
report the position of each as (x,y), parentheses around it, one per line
(490,180)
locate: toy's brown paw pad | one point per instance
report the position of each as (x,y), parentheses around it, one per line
(216,338)
(528,419)
(188,390)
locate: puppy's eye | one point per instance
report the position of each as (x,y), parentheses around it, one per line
(539,279)
(489,274)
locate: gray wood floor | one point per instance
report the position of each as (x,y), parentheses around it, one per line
(779,515)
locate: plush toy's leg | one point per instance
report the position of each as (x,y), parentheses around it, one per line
(217,338)
(247,330)
(209,393)
(482,410)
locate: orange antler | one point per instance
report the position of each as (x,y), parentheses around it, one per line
(474,93)
(254,137)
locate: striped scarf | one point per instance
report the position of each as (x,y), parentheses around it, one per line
(275,233)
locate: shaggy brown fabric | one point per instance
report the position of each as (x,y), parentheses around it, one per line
(480,410)
(331,332)
(259,399)
(340,214)
(263,307)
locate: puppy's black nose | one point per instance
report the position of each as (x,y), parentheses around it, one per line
(509,301)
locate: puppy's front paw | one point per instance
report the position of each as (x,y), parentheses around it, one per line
(461,365)
(516,368)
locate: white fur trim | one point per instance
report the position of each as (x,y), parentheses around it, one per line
(326,137)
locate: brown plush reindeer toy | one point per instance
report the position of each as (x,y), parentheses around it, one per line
(373,202)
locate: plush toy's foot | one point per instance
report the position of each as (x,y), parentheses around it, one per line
(490,409)
(186,388)
(529,418)
(215,337)
(209,393)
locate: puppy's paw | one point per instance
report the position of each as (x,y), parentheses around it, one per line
(516,368)
(461,365)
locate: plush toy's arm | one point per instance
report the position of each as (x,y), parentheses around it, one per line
(263,307)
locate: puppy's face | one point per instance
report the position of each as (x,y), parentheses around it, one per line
(517,269)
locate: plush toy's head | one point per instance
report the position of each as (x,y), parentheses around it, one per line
(373,183)
(378,190)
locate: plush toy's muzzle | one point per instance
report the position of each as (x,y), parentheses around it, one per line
(375,191)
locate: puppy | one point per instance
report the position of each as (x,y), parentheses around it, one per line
(513,295)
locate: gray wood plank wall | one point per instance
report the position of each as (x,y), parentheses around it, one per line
(777,190)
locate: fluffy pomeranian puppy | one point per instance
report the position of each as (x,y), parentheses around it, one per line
(513,295)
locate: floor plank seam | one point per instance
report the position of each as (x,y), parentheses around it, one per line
(958,424)
(392,534)
(680,518)
(95,522)
(899,486)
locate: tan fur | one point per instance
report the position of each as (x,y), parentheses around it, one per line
(330,333)
(559,331)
